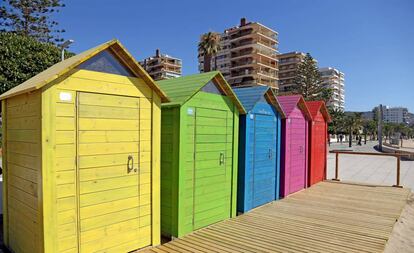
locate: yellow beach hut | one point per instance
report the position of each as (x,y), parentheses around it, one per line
(81,156)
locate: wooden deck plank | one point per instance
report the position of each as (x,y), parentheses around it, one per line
(328,217)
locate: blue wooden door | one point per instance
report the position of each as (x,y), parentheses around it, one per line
(264,159)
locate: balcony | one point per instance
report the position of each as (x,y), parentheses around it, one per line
(251,72)
(242,43)
(242,53)
(253,41)
(237,34)
(242,63)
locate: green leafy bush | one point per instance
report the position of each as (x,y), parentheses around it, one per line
(22,57)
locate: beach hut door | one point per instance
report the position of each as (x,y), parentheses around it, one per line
(212,187)
(264,159)
(297,154)
(320,152)
(110,202)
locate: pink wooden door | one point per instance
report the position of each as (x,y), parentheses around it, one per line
(297,170)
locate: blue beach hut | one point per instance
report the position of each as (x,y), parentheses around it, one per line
(259,147)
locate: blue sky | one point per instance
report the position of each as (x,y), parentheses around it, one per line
(372,42)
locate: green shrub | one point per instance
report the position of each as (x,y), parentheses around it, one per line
(22,57)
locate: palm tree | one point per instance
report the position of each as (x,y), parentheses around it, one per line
(388,129)
(370,128)
(208,47)
(354,123)
(337,123)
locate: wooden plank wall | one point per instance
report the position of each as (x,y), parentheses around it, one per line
(65,172)
(61,204)
(23,212)
(186,175)
(317,149)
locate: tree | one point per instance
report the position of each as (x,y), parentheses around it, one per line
(388,130)
(309,81)
(22,57)
(337,123)
(31,18)
(208,47)
(370,128)
(354,124)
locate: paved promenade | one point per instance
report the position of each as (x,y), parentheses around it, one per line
(369,169)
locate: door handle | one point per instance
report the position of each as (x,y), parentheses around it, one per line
(301,149)
(221,158)
(130,164)
(270,153)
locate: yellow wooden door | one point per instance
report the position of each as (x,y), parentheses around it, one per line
(108,174)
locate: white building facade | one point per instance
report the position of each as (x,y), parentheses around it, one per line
(334,79)
(395,114)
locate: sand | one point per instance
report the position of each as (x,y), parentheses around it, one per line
(402,236)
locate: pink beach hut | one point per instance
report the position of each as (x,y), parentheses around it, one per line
(294,147)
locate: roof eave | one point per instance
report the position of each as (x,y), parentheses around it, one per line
(304,108)
(325,112)
(122,54)
(98,49)
(136,67)
(271,96)
(226,88)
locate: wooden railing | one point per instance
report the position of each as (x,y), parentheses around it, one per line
(337,152)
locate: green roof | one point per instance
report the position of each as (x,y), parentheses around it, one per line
(181,89)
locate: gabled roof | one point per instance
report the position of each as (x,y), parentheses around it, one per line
(316,106)
(288,104)
(251,95)
(181,89)
(63,67)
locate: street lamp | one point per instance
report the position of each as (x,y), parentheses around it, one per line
(65,45)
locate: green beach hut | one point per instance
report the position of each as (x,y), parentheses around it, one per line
(199,148)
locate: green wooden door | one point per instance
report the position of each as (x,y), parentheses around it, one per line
(212,187)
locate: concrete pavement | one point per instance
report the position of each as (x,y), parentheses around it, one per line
(369,169)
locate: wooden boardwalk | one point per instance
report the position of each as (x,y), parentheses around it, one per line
(328,217)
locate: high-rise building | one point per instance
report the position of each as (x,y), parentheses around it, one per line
(335,80)
(247,55)
(288,65)
(162,66)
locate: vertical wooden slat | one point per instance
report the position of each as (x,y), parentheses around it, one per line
(40,185)
(48,178)
(77,179)
(235,161)
(156,168)
(5,172)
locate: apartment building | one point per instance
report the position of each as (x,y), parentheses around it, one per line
(394,114)
(334,79)
(162,66)
(288,65)
(247,55)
